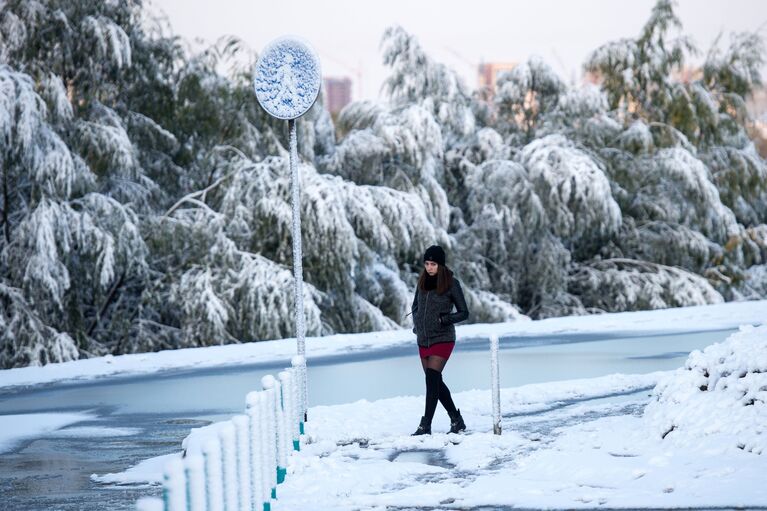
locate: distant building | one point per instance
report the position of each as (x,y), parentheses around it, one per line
(338,93)
(487,74)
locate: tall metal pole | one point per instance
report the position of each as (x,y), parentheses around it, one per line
(297,260)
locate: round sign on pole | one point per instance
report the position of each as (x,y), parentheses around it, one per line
(287,78)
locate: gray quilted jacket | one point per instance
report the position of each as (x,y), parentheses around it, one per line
(433,316)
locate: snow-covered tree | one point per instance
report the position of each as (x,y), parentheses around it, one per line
(145,195)
(525,95)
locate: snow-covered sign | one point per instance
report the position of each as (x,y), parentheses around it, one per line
(287,78)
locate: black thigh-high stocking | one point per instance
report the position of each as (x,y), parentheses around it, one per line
(433,381)
(446,399)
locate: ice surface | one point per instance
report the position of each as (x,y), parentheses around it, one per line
(683,319)
(14,429)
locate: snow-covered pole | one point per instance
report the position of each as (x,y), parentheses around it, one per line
(214,475)
(281,433)
(268,478)
(228,437)
(174,486)
(287,83)
(293,405)
(286,381)
(299,365)
(256,460)
(496,384)
(270,426)
(298,268)
(242,431)
(195,482)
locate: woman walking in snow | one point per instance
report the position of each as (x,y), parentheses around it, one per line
(433,318)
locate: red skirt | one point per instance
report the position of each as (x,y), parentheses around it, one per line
(440,349)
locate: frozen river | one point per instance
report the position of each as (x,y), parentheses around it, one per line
(134,418)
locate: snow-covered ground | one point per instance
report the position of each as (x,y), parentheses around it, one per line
(568,444)
(686,319)
(591,453)
(575,444)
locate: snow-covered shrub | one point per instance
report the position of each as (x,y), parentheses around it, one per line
(574,191)
(673,186)
(667,243)
(25,339)
(720,396)
(615,285)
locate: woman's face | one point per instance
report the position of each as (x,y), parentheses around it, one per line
(431,267)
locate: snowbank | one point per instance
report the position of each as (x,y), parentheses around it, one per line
(720,396)
(148,472)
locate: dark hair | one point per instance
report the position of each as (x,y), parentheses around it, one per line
(444,279)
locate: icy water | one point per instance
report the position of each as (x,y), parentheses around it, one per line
(152,414)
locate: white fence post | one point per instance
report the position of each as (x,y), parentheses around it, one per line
(227,435)
(496,387)
(174,487)
(297,412)
(282,459)
(195,482)
(242,431)
(253,409)
(270,420)
(286,385)
(299,363)
(289,381)
(214,474)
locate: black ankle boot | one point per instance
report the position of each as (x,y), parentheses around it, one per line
(456,423)
(424,428)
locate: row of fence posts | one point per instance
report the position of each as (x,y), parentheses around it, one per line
(237,464)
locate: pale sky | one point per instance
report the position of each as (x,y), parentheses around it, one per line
(347,33)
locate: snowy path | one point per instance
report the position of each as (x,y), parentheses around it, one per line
(578,444)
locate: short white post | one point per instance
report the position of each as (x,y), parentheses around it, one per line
(270,419)
(242,430)
(174,486)
(256,462)
(299,364)
(297,417)
(289,382)
(227,435)
(286,383)
(496,387)
(195,482)
(214,474)
(267,466)
(282,457)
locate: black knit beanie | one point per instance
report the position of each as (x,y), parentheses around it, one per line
(436,254)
